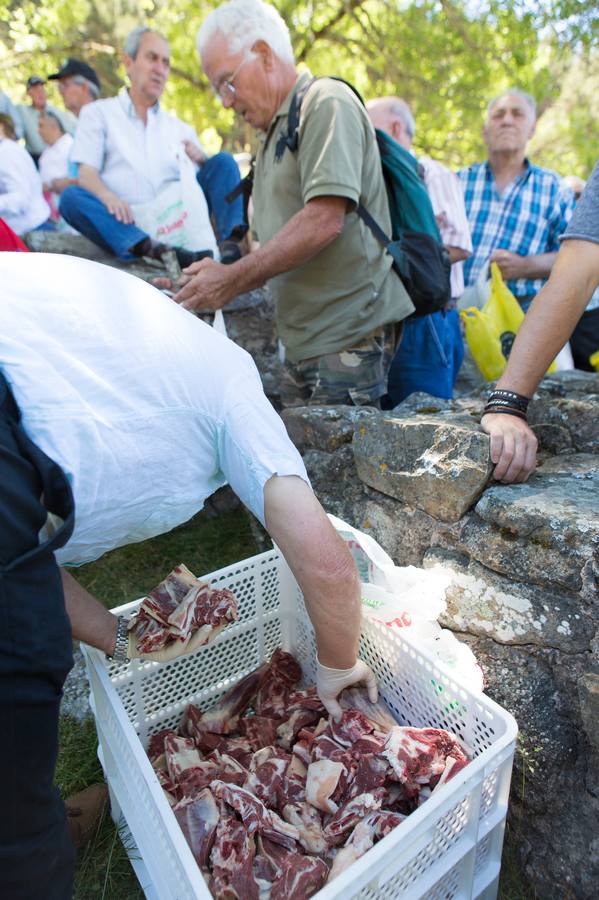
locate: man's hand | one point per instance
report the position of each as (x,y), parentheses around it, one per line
(330,683)
(206,285)
(195,153)
(59,184)
(120,209)
(513,447)
(511,265)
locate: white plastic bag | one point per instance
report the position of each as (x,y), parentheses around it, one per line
(409,597)
(178,215)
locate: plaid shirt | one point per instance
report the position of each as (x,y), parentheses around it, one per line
(527,218)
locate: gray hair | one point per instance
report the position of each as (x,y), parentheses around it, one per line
(398,107)
(93,88)
(515,92)
(133,41)
(50,115)
(242,23)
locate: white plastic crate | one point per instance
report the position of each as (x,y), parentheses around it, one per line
(449,848)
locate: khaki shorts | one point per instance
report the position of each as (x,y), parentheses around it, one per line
(355,377)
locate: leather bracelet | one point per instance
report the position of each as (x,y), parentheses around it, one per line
(119,654)
(506,410)
(519,401)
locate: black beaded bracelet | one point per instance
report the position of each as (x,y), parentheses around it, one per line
(519,401)
(507,410)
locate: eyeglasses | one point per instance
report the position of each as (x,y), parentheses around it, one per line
(225,89)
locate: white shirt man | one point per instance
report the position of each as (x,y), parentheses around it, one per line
(54,162)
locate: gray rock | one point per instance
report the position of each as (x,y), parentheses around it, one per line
(578,416)
(437,465)
(568,384)
(552,438)
(77,245)
(545,531)
(483,603)
(588,692)
(322,427)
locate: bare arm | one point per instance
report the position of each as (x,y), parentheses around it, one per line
(89,179)
(59,184)
(322,565)
(457,254)
(90,621)
(212,285)
(547,326)
(512,265)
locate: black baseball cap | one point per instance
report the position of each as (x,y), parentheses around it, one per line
(34,79)
(73,66)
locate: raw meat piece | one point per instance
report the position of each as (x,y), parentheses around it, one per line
(347,816)
(239,748)
(309,825)
(261,756)
(232,862)
(300,717)
(301,877)
(224,716)
(230,769)
(284,673)
(285,667)
(375,826)
(198,818)
(379,715)
(369,743)
(179,608)
(324,747)
(321,782)
(255,815)
(156,743)
(181,754)
(274,854)
(169,787)
(301,749)
(259,730)
(266,782)
(195,779)
(418,755)
(370,773)
(352,726)
(307,699)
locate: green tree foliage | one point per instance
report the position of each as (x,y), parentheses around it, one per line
(446,57)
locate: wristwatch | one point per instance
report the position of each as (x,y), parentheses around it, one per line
(121,646)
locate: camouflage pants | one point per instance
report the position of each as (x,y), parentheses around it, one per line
(356,376)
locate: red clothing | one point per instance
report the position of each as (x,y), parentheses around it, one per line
(9,240)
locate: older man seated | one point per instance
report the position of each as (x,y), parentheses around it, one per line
(126,148)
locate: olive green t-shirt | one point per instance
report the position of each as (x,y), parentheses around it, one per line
(348,290)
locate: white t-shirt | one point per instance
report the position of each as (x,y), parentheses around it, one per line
(22,204)
(135,160)
(54,163)
(146,408)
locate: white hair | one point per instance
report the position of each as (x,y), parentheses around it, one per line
(398,107)
(242,23)
(515,92)
(133,40)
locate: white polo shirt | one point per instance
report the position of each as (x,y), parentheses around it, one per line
(146,408)
(135,160)
(22,204)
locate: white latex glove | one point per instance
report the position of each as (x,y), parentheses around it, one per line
(330,683)
(177,648)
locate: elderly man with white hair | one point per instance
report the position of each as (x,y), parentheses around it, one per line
(517,211)
(337,298)
(128,150)
(431,350)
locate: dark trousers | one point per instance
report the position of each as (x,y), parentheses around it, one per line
(36,854)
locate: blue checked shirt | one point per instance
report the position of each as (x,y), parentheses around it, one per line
(528,218)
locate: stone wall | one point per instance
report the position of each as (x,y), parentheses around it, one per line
(524,564)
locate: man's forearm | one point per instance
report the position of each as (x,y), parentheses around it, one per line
(552,316)
(538,266)
(90,180)
(322,565)
(299,240)
(90,621)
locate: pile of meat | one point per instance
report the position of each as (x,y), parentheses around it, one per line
(275,799)
(179,610)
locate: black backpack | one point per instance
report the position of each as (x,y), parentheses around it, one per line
(419,258)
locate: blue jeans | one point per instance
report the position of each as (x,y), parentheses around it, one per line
(48,225)
(428,358)
(217,177)
(87,213)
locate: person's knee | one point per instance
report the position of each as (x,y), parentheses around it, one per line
(70,199)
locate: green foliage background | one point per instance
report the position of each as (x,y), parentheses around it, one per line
(446,57)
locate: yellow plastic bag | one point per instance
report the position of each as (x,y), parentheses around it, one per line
(490,331)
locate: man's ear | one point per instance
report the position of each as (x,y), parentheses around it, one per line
(264,51)
(396,131)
